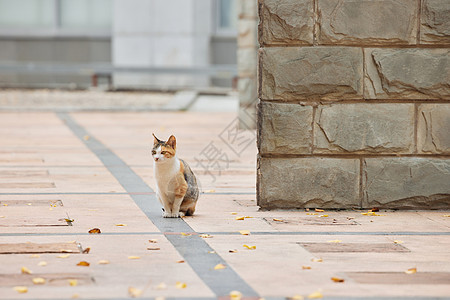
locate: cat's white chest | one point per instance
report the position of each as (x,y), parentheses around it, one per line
(164,175)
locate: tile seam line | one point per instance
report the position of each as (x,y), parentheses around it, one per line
(222,282)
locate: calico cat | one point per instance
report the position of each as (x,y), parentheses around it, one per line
(177,188)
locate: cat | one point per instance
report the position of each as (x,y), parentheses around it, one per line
(177,187)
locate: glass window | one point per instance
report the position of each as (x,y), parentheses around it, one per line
(84,14)
(227,15)
(26,13)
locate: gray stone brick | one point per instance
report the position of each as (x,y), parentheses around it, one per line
(308,182)
(364,128)
(375,22)
(311,73)
(407,73)
(407,182)
(286,22)
(284,128)
(435,22)
(433,129)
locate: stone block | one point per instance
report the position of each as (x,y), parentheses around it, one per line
(247,88)
(308,182)
(375,22)
(286,22)
(407,73)
(247,62)
(247,35)
(311,73)
(247,9)
(364,128)
(284,128)
(406,182)
(435,22)
(433,128)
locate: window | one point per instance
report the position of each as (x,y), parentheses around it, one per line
(55,17)
(226,17)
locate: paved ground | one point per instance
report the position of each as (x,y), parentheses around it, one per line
(63,174)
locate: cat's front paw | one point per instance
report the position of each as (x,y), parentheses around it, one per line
(165,214)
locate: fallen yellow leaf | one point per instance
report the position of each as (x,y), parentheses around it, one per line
(278,220)
(21,289)
(219,267)
(121,224)
(153,241)
(335,241)
(249,247)
(35,256)
(323,216)
(180,261)
(185,234)
(315,295)
(103,262)
(161,286)
(205,236)
(134,292)
(240,218)
(235,295)
(83,264)
(319,210)
(311,214)
(134,257)
(337,279)
(25,270)
(73,282)
(317,260)
(398,242)
(210,191)
(233,213)
(447,216)
(180,285)
(364,214)
(153,248)
(95,231)
(38,280)
(244,232)
(306,267)
(411,271)
(42,263)
(63,256)
(211,252)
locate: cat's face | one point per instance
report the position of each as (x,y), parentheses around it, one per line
(163,151)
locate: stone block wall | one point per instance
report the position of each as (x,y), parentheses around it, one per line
(354,104)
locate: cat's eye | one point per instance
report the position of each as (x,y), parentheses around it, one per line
(163,152)
(153,152)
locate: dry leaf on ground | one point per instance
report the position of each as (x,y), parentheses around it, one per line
(180,261)
(134,292)
(337,279)
(323,216)
(411,271)
(240,218)
(278,220)
(134,257)
(42,263)
(25,270)
(87,250)
(335,241)
(206,236)
(38,280)
(63,256)
(319,210)
(306,267)
(21,289)
(83,264)
(180,285)
(317,260)
(398,242)
(153,241)
(315,295)
(153,248)
(121,224)
(103,262)
(244,232)
(249,247)
(219,267)
(95,231)
(235,295)
(73,282)
(232,251)
(35,256)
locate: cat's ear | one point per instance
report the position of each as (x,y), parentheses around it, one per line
(172,142)
(155,140)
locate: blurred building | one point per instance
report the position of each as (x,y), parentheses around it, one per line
(183,37)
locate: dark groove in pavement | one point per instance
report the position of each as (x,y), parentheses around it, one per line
(194,249)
